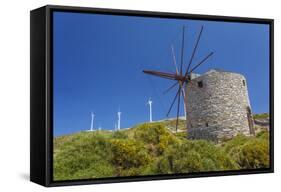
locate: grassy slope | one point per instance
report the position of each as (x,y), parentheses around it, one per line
(152,149)
(261,116)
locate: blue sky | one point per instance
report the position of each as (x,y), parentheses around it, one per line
(98,63)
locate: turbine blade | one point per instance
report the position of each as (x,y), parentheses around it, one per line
(166,91)
(174,59)
(182,50)
(201,62)
(173,102)
(194,51)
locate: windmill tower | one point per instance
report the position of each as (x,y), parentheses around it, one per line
(92,121)
(226,114)
(119,119)
(150,109)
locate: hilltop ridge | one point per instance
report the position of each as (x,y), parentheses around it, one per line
(153,149)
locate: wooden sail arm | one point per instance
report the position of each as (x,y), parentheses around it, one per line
(161,74)
(165,75)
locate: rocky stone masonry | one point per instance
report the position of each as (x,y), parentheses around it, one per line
(218,106)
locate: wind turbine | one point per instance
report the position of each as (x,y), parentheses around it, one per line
(92,121)
(119,119)
(150,109)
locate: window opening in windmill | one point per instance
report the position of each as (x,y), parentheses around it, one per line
(244,83)
(200,84)
(207,125)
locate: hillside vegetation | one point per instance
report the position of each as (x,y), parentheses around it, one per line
(152,149)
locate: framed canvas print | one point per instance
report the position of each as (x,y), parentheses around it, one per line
(119,95)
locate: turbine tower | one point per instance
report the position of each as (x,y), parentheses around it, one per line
(150,109)
(119,119)
(92,121)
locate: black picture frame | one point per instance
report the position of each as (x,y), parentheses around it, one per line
(41,103)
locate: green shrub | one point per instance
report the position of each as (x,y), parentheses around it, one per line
(97,169)
(249,152)
(120,135)
(263,135)
(254,154)
(150,133)
(194,156)
(156,137)
(128,154)
(82,156)
(230,145)
(165,141)
(181,135)
(192,162)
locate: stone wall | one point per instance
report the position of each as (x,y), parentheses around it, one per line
(217,106)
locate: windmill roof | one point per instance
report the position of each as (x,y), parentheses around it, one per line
(220,70)
(213,70)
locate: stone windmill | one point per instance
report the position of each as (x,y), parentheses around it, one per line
(216,103)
